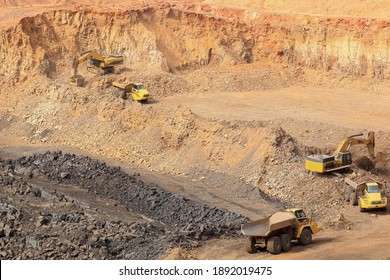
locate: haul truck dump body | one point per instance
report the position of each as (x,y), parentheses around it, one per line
(276,232)
(266,226)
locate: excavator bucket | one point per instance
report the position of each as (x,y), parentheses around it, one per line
(79,80)
(371,144)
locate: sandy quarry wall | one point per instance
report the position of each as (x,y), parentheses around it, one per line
(179,37)
(176,38)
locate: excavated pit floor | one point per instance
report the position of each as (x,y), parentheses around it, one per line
(237,105)
(57,206)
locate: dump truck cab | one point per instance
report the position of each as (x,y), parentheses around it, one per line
(367,194)
(299,213)
(371,196)
(139,92)
(303,221)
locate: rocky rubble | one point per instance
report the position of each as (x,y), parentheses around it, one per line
(39,221)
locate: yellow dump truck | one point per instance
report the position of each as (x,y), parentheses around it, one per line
(133,91)
(367,194)
(276,232)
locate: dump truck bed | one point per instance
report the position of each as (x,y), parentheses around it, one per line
(360,185)
(264,227)
(352,183)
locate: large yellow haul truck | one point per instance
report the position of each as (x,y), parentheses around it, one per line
(276,232)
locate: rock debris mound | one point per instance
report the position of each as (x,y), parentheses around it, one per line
(39,222)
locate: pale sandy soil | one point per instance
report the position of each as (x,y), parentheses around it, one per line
(292,108)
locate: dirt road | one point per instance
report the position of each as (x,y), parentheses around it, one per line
(344,108)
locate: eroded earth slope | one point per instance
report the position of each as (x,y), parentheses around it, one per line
(241,93)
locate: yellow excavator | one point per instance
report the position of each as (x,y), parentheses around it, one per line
(341,158)
(105,64)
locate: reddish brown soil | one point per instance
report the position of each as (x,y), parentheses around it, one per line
(241,92)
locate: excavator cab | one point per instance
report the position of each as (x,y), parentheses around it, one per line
(344,158)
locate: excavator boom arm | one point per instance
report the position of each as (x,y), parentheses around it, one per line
(77,60)
(353,140)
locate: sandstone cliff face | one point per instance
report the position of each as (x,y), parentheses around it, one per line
(180,48)
(187,37)
(177,38)
(59,35)
(354,47)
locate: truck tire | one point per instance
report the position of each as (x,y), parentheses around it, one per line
(306,237)
(347,192)
(361,209)
(286,242)
(274,245)
(352,199)
(250,245)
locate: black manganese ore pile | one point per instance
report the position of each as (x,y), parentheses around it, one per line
(71,231)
